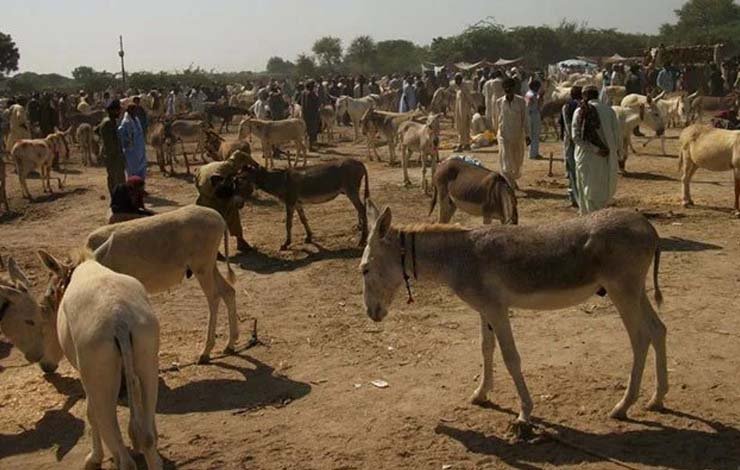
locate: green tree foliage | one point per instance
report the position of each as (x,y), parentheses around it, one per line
(279,66)
(399,55)
(305,66)
(91,79)
(328,50)
(8,55)
(29,82)
(705,22)
(362,55)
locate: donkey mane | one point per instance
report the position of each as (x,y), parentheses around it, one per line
(432,228)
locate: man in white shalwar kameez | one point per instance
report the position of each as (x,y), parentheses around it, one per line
(597,153)
(513,132)
(463,114)
(493,89)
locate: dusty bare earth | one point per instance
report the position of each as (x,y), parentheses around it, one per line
(303,399)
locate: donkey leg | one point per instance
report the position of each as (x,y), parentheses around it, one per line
(657,336)
(628,302)
(689,170)
(228,294)
(289,208)
(737,193)
(94,459)
(304,221)
(447,208)
(208,284)
(405,163)
(502,327)
(488,346)
(354,197)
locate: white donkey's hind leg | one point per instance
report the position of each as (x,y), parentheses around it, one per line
(488,346)
(658,336)
(499,319)
(629,304)
(207,282)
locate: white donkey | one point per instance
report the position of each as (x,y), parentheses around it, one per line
(105,323)
(540,268)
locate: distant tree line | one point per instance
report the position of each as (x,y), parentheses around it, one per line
(698,22)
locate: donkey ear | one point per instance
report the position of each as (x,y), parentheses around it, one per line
(383,225)
(102,251)
(16,273)
(371,211)
(11,293)
(51,263)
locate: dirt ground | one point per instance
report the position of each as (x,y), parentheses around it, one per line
(303,398)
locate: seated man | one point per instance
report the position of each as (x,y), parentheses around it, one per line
(127,201)
(478,124)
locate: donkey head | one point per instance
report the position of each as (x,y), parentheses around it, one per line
(381,270)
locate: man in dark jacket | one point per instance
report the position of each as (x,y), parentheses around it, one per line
(115,164)
(310,106)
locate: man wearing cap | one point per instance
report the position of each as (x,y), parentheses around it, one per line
(127,201)
(513,132)
(597,136)
(115,165)
(216,187)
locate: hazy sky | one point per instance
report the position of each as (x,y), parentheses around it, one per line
(229,35)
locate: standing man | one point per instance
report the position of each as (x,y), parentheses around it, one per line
(597,134)
(310,104)
(633,85)
(115,165)
(408,96)
(665,80)
(217,190)
(463,114)
(566,129)
(493,89)
(131,137)
(47,115)
(513,132)
(140,113)
(716,82)
(535,121)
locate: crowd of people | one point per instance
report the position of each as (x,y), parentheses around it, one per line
(501,106)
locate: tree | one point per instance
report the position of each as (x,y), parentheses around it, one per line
(279,66)
(399,55)
(8,55)
(362,55)
(91,79)
(329,51)
(305,66)
(704,21)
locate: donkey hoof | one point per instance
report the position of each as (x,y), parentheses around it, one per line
(655,405)
(204,359)
(284,246)
(93,462)
(229,350)
(688,203)
(479,399)
(736,214)
(618,413)
(308,240)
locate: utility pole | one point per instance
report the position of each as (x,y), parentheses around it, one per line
(120,54)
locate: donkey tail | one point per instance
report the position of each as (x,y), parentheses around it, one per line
(656,268)
(142,435)
(229,271)
(367,183)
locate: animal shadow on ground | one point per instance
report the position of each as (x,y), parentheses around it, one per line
(647,176)
(9,216)
(156,201)
(656,445)
(537,194)
(260,387)
(38,199)
(57,429)
(263,263)
(678,244)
